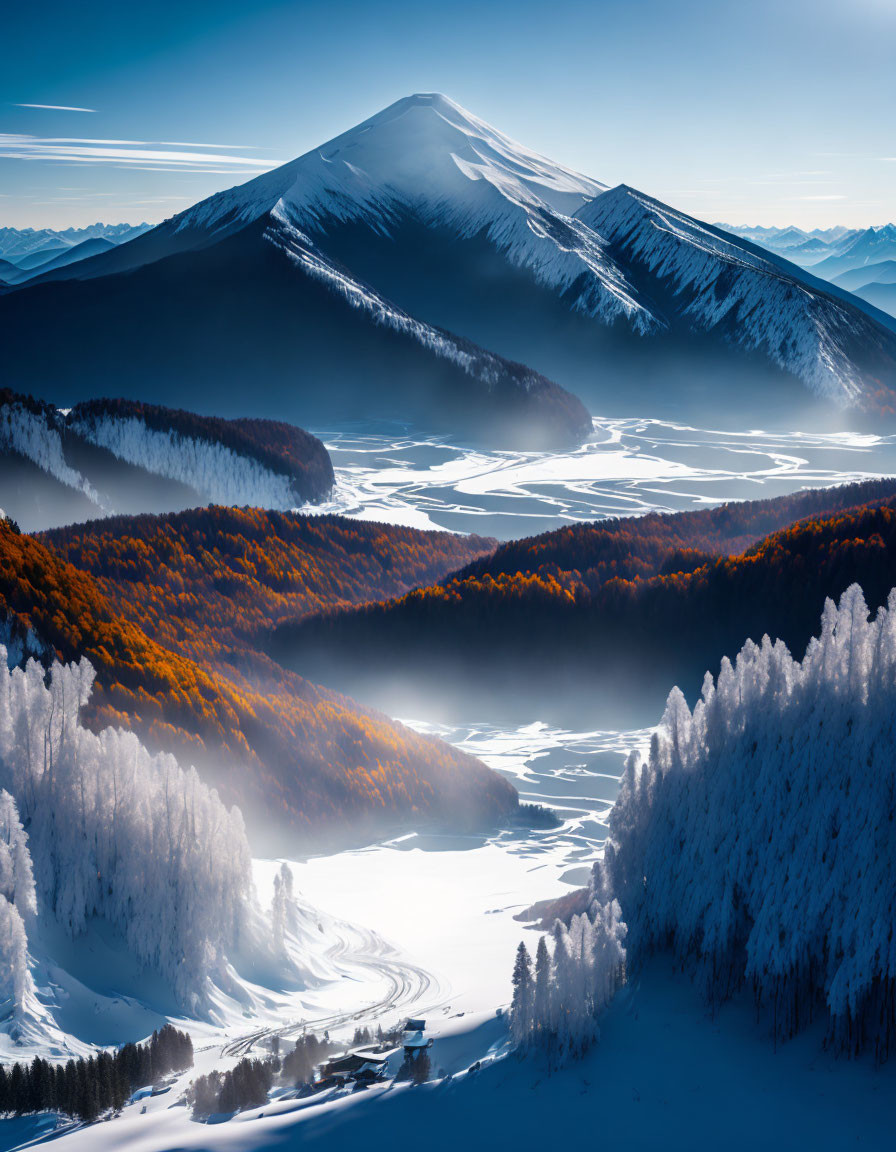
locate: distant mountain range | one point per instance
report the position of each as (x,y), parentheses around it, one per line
(859,260)
(47,259)
(424,265)
(793,239)
(24,246)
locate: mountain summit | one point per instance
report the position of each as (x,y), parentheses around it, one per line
(423,151)
(423,264)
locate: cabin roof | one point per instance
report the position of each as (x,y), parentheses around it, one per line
(353,1062)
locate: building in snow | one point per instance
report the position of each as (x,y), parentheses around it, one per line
(415,1041)
(358,1067)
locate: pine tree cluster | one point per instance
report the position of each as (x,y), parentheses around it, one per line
(556,1007)
(87,1087)
(308,1053)
(248,1083)
(758,840)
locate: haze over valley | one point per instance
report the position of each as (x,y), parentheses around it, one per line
(447,578)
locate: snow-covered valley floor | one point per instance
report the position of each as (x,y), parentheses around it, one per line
(425,925)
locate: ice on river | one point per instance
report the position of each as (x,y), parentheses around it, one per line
(627,467)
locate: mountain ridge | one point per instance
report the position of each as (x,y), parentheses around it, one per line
(425,220)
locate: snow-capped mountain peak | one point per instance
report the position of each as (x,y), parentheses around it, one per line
(427,144)
(426,158)
(422,150)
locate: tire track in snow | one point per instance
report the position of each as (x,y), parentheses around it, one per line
(361,949)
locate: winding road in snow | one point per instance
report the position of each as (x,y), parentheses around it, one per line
(362,954)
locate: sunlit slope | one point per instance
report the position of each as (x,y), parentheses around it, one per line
(281,747)
(614,611)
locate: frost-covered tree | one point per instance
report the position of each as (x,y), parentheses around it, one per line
(521,1004)
(283,906)
(574,982)
(758,839)
(17,907)
(16,874)
(541,1010)
(116,832)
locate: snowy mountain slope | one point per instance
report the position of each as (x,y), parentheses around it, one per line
(426,220)
(513,385)
(266,306)
(759,303)
(422,148)
(428,158)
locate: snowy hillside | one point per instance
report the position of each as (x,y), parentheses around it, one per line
(718,284)
(35,431)
(114,833)
(218,472)
(111,456)
(127,892)
(794,896)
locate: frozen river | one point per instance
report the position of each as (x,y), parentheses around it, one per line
(627,467)
(449,903)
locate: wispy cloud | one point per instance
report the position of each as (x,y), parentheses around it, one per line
(55,107)
(131,154)
(819,197)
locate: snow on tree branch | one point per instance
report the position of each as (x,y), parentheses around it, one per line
(115,832)
(556,1009)
(758,840)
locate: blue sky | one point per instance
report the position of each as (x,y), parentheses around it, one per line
(769,112)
